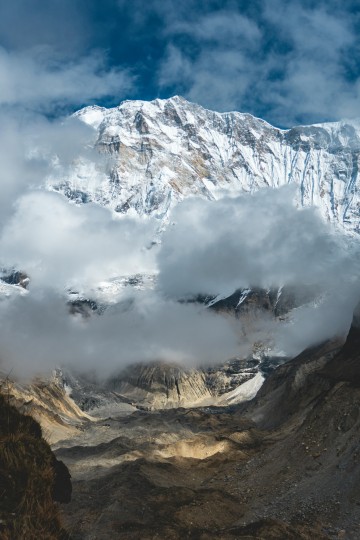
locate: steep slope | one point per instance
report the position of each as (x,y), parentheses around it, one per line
(31,479)
(312,465)
(157,385)
(156,153)
(47,401)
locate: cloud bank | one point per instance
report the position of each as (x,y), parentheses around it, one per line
(263,240)
(65,246)
(37,334)
(210,247)
(258,240)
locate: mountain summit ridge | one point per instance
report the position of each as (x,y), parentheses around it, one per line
(156,153)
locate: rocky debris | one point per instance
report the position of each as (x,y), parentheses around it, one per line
(311,467)
(287,392)
(285,465)
(173,474)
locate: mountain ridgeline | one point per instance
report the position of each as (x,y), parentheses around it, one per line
(158,153)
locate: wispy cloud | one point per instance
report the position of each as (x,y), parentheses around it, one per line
(37,80)
(290,63)
(37,334)
(287,62)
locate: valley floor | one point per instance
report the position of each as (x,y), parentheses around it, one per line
(284,466)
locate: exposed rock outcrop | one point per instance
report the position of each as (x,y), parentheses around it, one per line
(31,479)
(47,401)
(157,385)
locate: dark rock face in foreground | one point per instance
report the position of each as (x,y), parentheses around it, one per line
(310,408)
(346,365)
(31,479)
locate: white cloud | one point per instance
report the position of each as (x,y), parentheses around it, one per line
(223,68)
(36,79)
(59,245)
(263,240)
(29,144)
(37,333)
(252,240)
(62,245)
(226,60)
(313,324)
(289,62)
(215,27)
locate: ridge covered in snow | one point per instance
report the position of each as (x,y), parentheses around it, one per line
(159,152)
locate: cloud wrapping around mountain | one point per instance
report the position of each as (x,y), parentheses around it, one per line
(37,333)
(263,240)
(286,63)
(259,240)
(209,247)
(65,246)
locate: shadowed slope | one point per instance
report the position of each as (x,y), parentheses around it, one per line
(31,479)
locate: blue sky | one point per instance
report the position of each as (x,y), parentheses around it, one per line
(289,62)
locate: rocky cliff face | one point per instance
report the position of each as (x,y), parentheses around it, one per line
(158,385)
(48,402)
(157,153)
(31,478)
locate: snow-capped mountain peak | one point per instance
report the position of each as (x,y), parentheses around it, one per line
(158,152)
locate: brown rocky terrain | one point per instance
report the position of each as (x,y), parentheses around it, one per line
(283,466)
(275,301)
(47,402)
(32,480)
(158,386)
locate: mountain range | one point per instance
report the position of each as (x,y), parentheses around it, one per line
(157,153)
